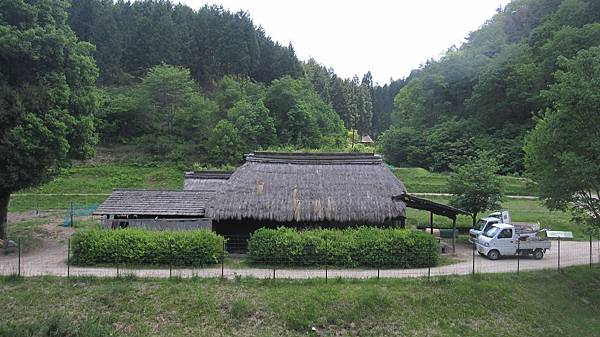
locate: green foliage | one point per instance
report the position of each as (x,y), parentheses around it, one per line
(302,119)
(475,186)
(165,116)
(225,144)
(136,246)
(493,83)
(370,247)
(47,96)
(132,37)
(563,150)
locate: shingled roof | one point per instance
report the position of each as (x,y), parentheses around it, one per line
(155,202)
(205,180)
(310,187)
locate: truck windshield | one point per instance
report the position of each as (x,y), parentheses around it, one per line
(481,224)
(491,232)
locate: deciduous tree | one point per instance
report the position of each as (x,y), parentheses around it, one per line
(47,95)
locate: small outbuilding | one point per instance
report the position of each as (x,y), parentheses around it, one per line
(307,190)
(155,209)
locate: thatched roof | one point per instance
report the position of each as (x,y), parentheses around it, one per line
(310,187)
(205,180)
(155,202)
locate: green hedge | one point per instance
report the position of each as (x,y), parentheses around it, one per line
(370,247)
(137,246)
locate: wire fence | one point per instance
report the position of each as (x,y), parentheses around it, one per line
(235,260)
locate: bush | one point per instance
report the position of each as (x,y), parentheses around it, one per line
(369,247)
(137,246)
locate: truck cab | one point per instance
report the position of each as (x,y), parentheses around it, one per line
(485,223)
(508,240)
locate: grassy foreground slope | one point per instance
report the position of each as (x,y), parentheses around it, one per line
(529,304)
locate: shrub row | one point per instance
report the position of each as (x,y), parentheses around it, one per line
(370,247)
(137,246)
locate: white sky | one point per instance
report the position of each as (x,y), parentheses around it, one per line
(390,38)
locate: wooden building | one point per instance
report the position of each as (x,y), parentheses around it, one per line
(307,190)
(155,209)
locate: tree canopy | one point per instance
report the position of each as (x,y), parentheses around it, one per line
(563,150)
(493,84)
(47,96)
(475,186)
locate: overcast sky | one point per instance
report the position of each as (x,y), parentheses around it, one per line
(387,37)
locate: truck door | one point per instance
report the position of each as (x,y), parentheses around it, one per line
(505,243)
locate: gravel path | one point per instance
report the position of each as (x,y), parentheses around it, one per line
(51,260)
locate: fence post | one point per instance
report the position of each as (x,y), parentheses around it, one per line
(473,272)
(68,257)
(223,260)
(19,254)
(559,254)
(326,258)
(591,252)
(518,255)
(170,259)
(72,214)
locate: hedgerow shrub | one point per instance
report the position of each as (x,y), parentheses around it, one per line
(138,246)
(370,247)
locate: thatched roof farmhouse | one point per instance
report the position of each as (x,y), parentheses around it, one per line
(308,189)
(270,190)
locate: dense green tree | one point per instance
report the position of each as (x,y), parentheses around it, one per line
(255,125)
(225,144)
(563,150)
(474,186)
(302,119)
(404,146)
(166,115)
(47,95)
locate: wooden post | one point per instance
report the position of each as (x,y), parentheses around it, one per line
(559,254)
(454,235)
(431,222)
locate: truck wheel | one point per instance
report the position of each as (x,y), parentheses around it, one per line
(493,255)
(538,254)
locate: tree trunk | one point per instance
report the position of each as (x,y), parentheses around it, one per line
(474,216)
(4,199)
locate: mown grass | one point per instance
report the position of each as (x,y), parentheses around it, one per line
(422,181)
(529,304)
(96,179)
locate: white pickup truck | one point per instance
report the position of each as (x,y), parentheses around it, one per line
(509,240)
(499,217)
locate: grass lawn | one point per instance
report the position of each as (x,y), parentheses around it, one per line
(530,304)
(96,179)
(422,181)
